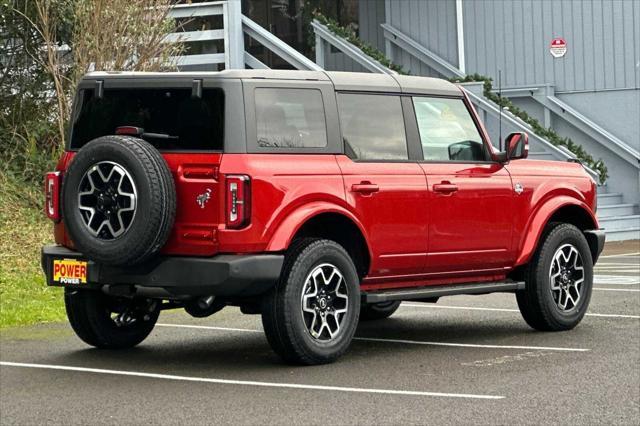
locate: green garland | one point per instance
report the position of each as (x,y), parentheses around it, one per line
(538,129)
(352,38)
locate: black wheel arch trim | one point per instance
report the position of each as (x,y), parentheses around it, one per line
(596,239)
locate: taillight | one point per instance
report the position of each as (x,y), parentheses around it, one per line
(52,195)
(238,201)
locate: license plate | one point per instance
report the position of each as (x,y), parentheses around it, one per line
(69,271)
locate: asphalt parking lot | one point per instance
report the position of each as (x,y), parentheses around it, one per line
(466,359)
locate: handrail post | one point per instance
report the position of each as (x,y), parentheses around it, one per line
(320,52)
(388,47)
(235,35)
(548,91)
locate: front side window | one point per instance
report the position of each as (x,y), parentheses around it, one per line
(447,131)
(290,118)
(372,126)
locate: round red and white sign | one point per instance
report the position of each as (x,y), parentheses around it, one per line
(558,47)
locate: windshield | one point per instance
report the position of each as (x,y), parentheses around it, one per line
(192,123)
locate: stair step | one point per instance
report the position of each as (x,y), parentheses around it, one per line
(623,234)
(609,199)
(617,210)
(615,223)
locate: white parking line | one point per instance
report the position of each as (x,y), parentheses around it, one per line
(615,280)
(406,342)
(625,264)
(209,327)
(618,269)
(477,308)
(472,345)
(618,289)
(246,382)
(631,268)
(620,255)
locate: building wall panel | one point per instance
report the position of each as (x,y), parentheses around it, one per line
(603,40)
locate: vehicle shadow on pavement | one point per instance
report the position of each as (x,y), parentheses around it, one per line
(204,351)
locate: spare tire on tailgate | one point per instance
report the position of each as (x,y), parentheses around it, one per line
(118,200)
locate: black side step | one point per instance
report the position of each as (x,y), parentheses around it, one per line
(441,290)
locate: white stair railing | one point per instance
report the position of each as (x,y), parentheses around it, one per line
(277,46)
(234,27)
(324,36)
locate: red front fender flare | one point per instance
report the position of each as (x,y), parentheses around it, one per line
(541,217)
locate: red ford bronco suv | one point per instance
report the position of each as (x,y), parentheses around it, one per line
(316,199)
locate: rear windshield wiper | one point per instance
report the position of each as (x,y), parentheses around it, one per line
(139,132)
(159,136)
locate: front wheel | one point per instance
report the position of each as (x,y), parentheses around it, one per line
(109,322)
(558,281)
(311,315)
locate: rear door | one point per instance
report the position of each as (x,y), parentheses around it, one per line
(471,217)
(184,119)
(383,183)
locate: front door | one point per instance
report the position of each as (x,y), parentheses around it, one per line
(470,222)
(470,219)
(386,189)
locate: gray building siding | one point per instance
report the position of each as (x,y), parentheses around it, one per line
(370,15)
(603,41)
(338,61)
(431,23)
(616,110)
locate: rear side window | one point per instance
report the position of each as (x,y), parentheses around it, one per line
(290,118)
(185,122)
(372,127)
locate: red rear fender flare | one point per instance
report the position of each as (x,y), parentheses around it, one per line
(288,228)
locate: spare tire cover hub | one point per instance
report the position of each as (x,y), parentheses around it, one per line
(107,198)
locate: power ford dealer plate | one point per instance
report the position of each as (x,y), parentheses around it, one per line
(69,271)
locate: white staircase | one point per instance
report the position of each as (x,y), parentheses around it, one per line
(620,221)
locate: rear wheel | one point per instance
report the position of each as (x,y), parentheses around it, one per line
(110,322)
(378,311)
(558,281)
(311,315)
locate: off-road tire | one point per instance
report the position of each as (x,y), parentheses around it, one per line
(89,313)
(378,311)
(156,200)
(282,317)
(536,303)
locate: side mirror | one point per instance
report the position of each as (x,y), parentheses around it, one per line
(466,151)
(517,146)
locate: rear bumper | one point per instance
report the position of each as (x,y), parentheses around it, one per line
(596,239)
(222,275)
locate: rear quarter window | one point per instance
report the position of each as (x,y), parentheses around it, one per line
(193,124)
(290,118)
